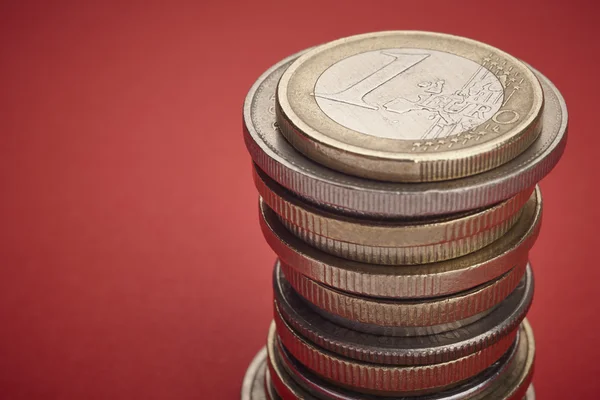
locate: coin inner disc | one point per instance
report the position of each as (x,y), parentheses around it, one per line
(409,94)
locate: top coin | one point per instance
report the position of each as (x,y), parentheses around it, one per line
(408,106)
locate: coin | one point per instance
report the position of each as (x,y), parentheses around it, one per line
(291,373)
(292,378)
(434,348)
(339,191)
(385,379)
(422,281)
(515,384)
(392,241)
(253,387)
(409,106)
(356,311)
(269,389)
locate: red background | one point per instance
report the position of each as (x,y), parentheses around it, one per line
(131,260)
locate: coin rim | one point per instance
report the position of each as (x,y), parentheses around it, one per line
(517,387)
(424,350)
(285,364)
(405,281)
(258,361)
(386,378)
(371,159)
(364,197)
(404,313)
(390,242)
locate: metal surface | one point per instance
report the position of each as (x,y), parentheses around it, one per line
(297,382)
(422,350)
(428,280)
(386,380)
(288,367)
(253,387)
(397,175)
(437,314)
(409,106)
(269,388)
(530,393)
(515,383)
(328,188)
(390,242)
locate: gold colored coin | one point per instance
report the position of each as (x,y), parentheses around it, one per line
(506,380)
(514,385)
(405,314)
(386,379)
(390,242)
(422,281)
(409,106)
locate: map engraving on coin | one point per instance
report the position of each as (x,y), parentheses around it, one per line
(410,93)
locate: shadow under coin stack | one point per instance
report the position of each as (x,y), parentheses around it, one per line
(397,176)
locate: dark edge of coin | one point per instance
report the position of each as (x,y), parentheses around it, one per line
(421,350)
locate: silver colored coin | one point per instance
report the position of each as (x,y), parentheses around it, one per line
(399,331)
(409,106)
(390,242)
(296,381)
(431,349)
(402,317)
(287,367)
(530,393)
(253,387)
(353,195)
(422,281)
(516,382)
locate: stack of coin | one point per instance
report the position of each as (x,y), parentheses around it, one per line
(397,177)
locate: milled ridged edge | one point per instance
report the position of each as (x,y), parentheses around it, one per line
(440,311)
(434,170)
(399,286)
(481,162)
(385,378)
(279,386)
(403,255)
(341,195)
(309,218)
(397,204)
(402,356)
(389,357)
(515,385)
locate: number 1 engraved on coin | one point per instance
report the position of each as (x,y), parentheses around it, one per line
(356,93)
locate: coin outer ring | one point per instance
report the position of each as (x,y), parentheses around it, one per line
(428,280)
(391,242)
(288,373)
(438,311)
(431,349)
(321,185)
(511,382)
(287,389)
(515,384)
(270,389)
(388,159)
(250,379)
(381,378)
